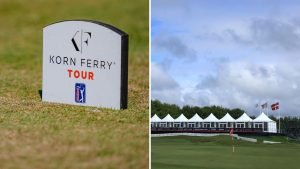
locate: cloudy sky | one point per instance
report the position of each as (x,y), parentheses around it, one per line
(230,53)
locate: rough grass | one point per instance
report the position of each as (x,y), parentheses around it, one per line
(216,153)
(50,136)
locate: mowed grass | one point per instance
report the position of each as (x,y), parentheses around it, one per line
(36,135)
(187,152)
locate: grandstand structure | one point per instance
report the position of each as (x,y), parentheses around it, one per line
(243,124)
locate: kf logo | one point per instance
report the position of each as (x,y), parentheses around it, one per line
(81,38)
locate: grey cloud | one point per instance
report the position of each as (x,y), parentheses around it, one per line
(161,80)
(163,86)
(167,96)
(236,37)
(177,6)
(175,46)
(241,84)
(272,33)
(208,36)
(235,84)
(260,71)
(166,63)
(197,98)
(264,72)
(208,81)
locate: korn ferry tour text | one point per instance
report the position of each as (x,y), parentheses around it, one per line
(82,62)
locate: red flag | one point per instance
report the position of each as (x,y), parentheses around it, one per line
(275,106)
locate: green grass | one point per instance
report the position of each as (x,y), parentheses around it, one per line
(50,136)
(260,139)
(186,152)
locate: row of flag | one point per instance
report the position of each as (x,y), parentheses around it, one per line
(274,106)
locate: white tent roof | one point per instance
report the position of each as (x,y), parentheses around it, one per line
(168,118)
(195,118)
(181,118)
(262,118)
(244,118)
(227,118)
(155,118)
(211,118)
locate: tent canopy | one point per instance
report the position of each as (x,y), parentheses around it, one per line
(195,118)
(244,118)
(155,118)
(211,118)
(262,118)
(227,118)
(168,118)
(181,118)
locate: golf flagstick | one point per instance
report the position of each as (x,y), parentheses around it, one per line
(231,134)
(232,144)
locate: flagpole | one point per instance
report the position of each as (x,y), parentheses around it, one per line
(267,110)
(279,120)
(232,144)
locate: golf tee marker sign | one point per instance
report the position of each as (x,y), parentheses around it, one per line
(85,63)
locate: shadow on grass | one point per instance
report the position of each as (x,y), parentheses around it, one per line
(41,93)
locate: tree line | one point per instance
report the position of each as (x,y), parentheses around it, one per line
(162,109)
(289,126)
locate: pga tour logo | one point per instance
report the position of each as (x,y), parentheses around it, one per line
(77,54)
(80,92)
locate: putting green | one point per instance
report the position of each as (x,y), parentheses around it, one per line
(187,152)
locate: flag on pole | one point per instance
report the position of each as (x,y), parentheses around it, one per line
(263,106)
(275,106)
